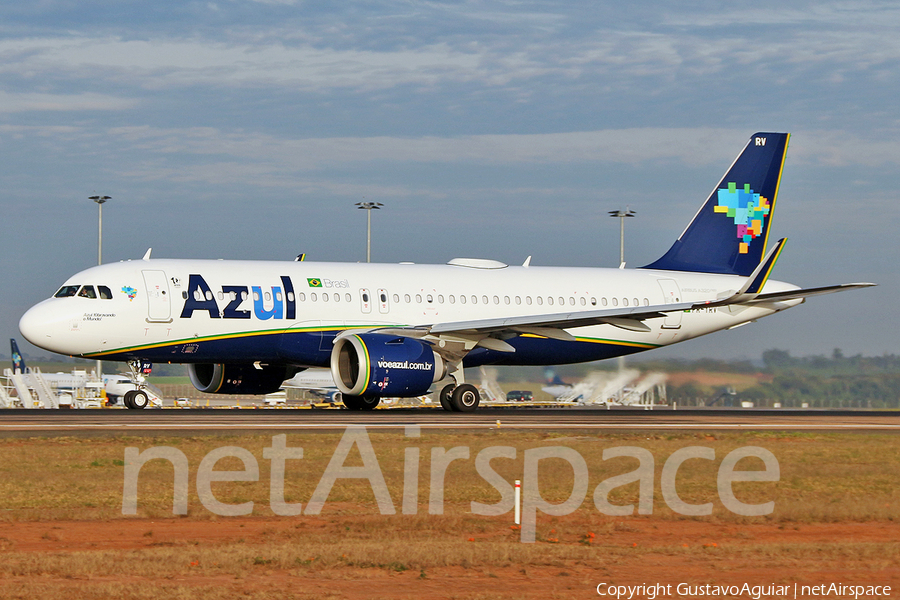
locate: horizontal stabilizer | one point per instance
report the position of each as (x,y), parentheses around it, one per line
(806,293)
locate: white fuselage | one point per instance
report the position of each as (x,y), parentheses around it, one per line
(193,311)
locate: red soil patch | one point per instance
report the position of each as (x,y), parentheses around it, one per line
(656,558)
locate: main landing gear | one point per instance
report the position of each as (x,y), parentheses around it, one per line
(360,402)
(137,399)
(460,398)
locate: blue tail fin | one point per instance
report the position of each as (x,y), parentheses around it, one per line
(18,363)
(728,234)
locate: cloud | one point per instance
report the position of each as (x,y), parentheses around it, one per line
(24,102)
(601,56)
(162,63)
(691,146)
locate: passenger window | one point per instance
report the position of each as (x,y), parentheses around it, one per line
(324,297)
(337,297)
(452,299)
(518,300)
(302,296)
(593,302)
(528,300)
(603,302)
(440,298)
(348,297)
(105,292)
(550,300)
(540,301)
(562,301)
(474,299)
(484,299)
(505,299)
(67,291)
(396,298)
(496,300)
(429,298)
(624,301)
(406,298)
(419,298)
(87,291)
(636,302)
(314,297)
(615,302)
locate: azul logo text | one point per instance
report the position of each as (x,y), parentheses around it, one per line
(273,302)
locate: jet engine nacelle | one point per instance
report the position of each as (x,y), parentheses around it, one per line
(373,364)
(237,379)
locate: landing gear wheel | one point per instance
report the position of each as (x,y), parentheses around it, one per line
(360,402)
(445,395)
(140,399)
(465,398)
(128,399)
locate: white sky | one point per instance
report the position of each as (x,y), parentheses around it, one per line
(242,129)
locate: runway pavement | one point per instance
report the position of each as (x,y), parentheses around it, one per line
(19,422)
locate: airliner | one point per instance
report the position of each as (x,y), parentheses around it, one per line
(396,330)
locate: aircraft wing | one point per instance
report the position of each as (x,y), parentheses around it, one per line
(489,333)
(624,317)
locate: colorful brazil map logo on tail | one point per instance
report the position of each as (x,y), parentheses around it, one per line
(748,209)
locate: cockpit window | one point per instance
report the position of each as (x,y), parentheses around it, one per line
(84,291)
(66,291)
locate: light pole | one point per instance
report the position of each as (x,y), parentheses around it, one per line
(369,207)
(621,214)
(100,200)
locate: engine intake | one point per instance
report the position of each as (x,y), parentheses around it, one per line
(237,379)
(373,364)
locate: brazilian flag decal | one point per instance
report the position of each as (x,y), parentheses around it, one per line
(314,282)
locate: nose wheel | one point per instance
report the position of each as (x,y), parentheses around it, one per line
(138,398)
(460,398)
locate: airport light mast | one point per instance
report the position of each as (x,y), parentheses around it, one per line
(100,200)
(622,214)
(369,207)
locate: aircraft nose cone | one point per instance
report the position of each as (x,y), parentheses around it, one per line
(34,327)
